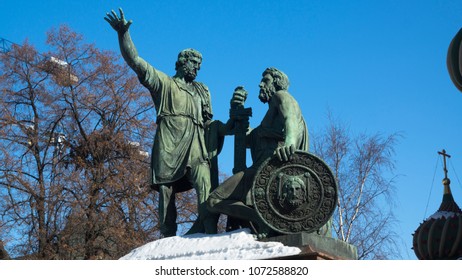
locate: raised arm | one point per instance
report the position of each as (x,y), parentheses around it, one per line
(127,48)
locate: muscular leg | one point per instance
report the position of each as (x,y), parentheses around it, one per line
(228,199)
(237,209)
(167,211)
(233,208)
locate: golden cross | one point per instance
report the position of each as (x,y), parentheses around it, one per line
(445,155)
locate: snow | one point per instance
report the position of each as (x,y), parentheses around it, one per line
(442,214)
(235,245)
(58,61)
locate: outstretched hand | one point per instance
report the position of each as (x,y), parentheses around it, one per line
(118,23)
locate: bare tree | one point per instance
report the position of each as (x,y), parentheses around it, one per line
(74,136)
(364,168)
(26,144)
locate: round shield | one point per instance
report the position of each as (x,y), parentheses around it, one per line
(295,196)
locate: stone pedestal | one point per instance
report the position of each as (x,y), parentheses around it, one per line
(315,247)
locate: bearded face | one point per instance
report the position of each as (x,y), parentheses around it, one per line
(189,72)
(266,93)
(190,68)
(267,88)
(295,196)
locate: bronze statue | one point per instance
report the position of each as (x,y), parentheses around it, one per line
(186,137)
(281,132)
(286,190)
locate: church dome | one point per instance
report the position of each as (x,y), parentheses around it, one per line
(439,237)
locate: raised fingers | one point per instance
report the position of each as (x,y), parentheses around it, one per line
(114,15)
(121,14)
(109,18)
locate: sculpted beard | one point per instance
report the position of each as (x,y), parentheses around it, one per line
(266,93)
(189,71)
(295,202)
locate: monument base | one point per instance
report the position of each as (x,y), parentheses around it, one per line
(316,247)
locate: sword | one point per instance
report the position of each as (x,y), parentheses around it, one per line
(241,117)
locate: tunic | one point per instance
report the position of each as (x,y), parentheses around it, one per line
(182,115)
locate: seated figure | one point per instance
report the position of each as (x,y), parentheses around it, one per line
(281,132)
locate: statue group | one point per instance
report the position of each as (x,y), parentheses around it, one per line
(285,190)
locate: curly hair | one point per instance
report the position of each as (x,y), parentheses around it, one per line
(281,81)
(185,55)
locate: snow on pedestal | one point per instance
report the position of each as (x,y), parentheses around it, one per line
(236,245)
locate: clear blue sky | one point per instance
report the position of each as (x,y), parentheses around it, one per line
(380,66)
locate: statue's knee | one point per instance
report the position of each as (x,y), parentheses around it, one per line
(211,204)
(166,191)
(163,188)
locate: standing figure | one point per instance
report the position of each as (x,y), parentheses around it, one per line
(281,132)
(180,159)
